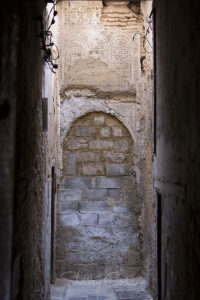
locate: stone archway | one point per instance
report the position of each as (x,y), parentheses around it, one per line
(97,213)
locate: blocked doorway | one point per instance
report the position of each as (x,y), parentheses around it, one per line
(98,234)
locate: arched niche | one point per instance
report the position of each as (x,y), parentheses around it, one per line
(97,222)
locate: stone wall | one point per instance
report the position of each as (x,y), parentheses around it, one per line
(30,248)
(26,156)
(176,160)
(98,208)
(8,98)
(103,70)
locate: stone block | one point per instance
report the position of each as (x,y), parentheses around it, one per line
(122,271)
(69,220)
(129,195)
(95,194)
(80,182)
(121,222)
(100,144)
(135,294)
(73,245)
(85,131)
(111,122)
(92,169)
(64,235)
(118,170)
(115,194)
(125,221)
(121,145)
(75,143)
(70,195)
(109,182)
(99,120)
(67,208)
(80,271)
(132,258)
(129,182)
(70,164)
(105,132)
(93,297)
(58,292)
(117,131)
(114,157)
(100,234)
(87,156)
(132,271)
(93,206)
(121,210)
(89,219)
(106,218)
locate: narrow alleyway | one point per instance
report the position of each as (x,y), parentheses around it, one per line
(99,150)
(99,290)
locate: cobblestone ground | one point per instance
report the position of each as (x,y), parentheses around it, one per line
(99,290)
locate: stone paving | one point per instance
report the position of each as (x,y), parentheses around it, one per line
(100,290)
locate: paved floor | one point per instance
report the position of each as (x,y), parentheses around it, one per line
(125,289)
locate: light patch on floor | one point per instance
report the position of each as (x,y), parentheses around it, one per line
(125,289)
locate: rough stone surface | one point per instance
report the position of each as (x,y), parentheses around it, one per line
(105,88)
(90,219)
(88,169)
(96,194)
(109,183)
(117,131)
(115,194)
(100,226)
(106,218)
(114,157)
(70,194)
(100,144)
(85,131)
(118,169)
(26,154)
(87,156)
(77,182)
(121,145)
(99,119)
(71,220)
(107,289)
(105,131)
(176,161)
(93,206)
(70,166)
(67,208)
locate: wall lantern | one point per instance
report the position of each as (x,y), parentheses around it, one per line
(50,52)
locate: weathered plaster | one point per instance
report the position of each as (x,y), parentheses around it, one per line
(100,71)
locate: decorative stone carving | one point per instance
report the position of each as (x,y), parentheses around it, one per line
(121,56)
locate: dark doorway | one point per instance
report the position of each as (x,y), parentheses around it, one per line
(53,193)
(159,244)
